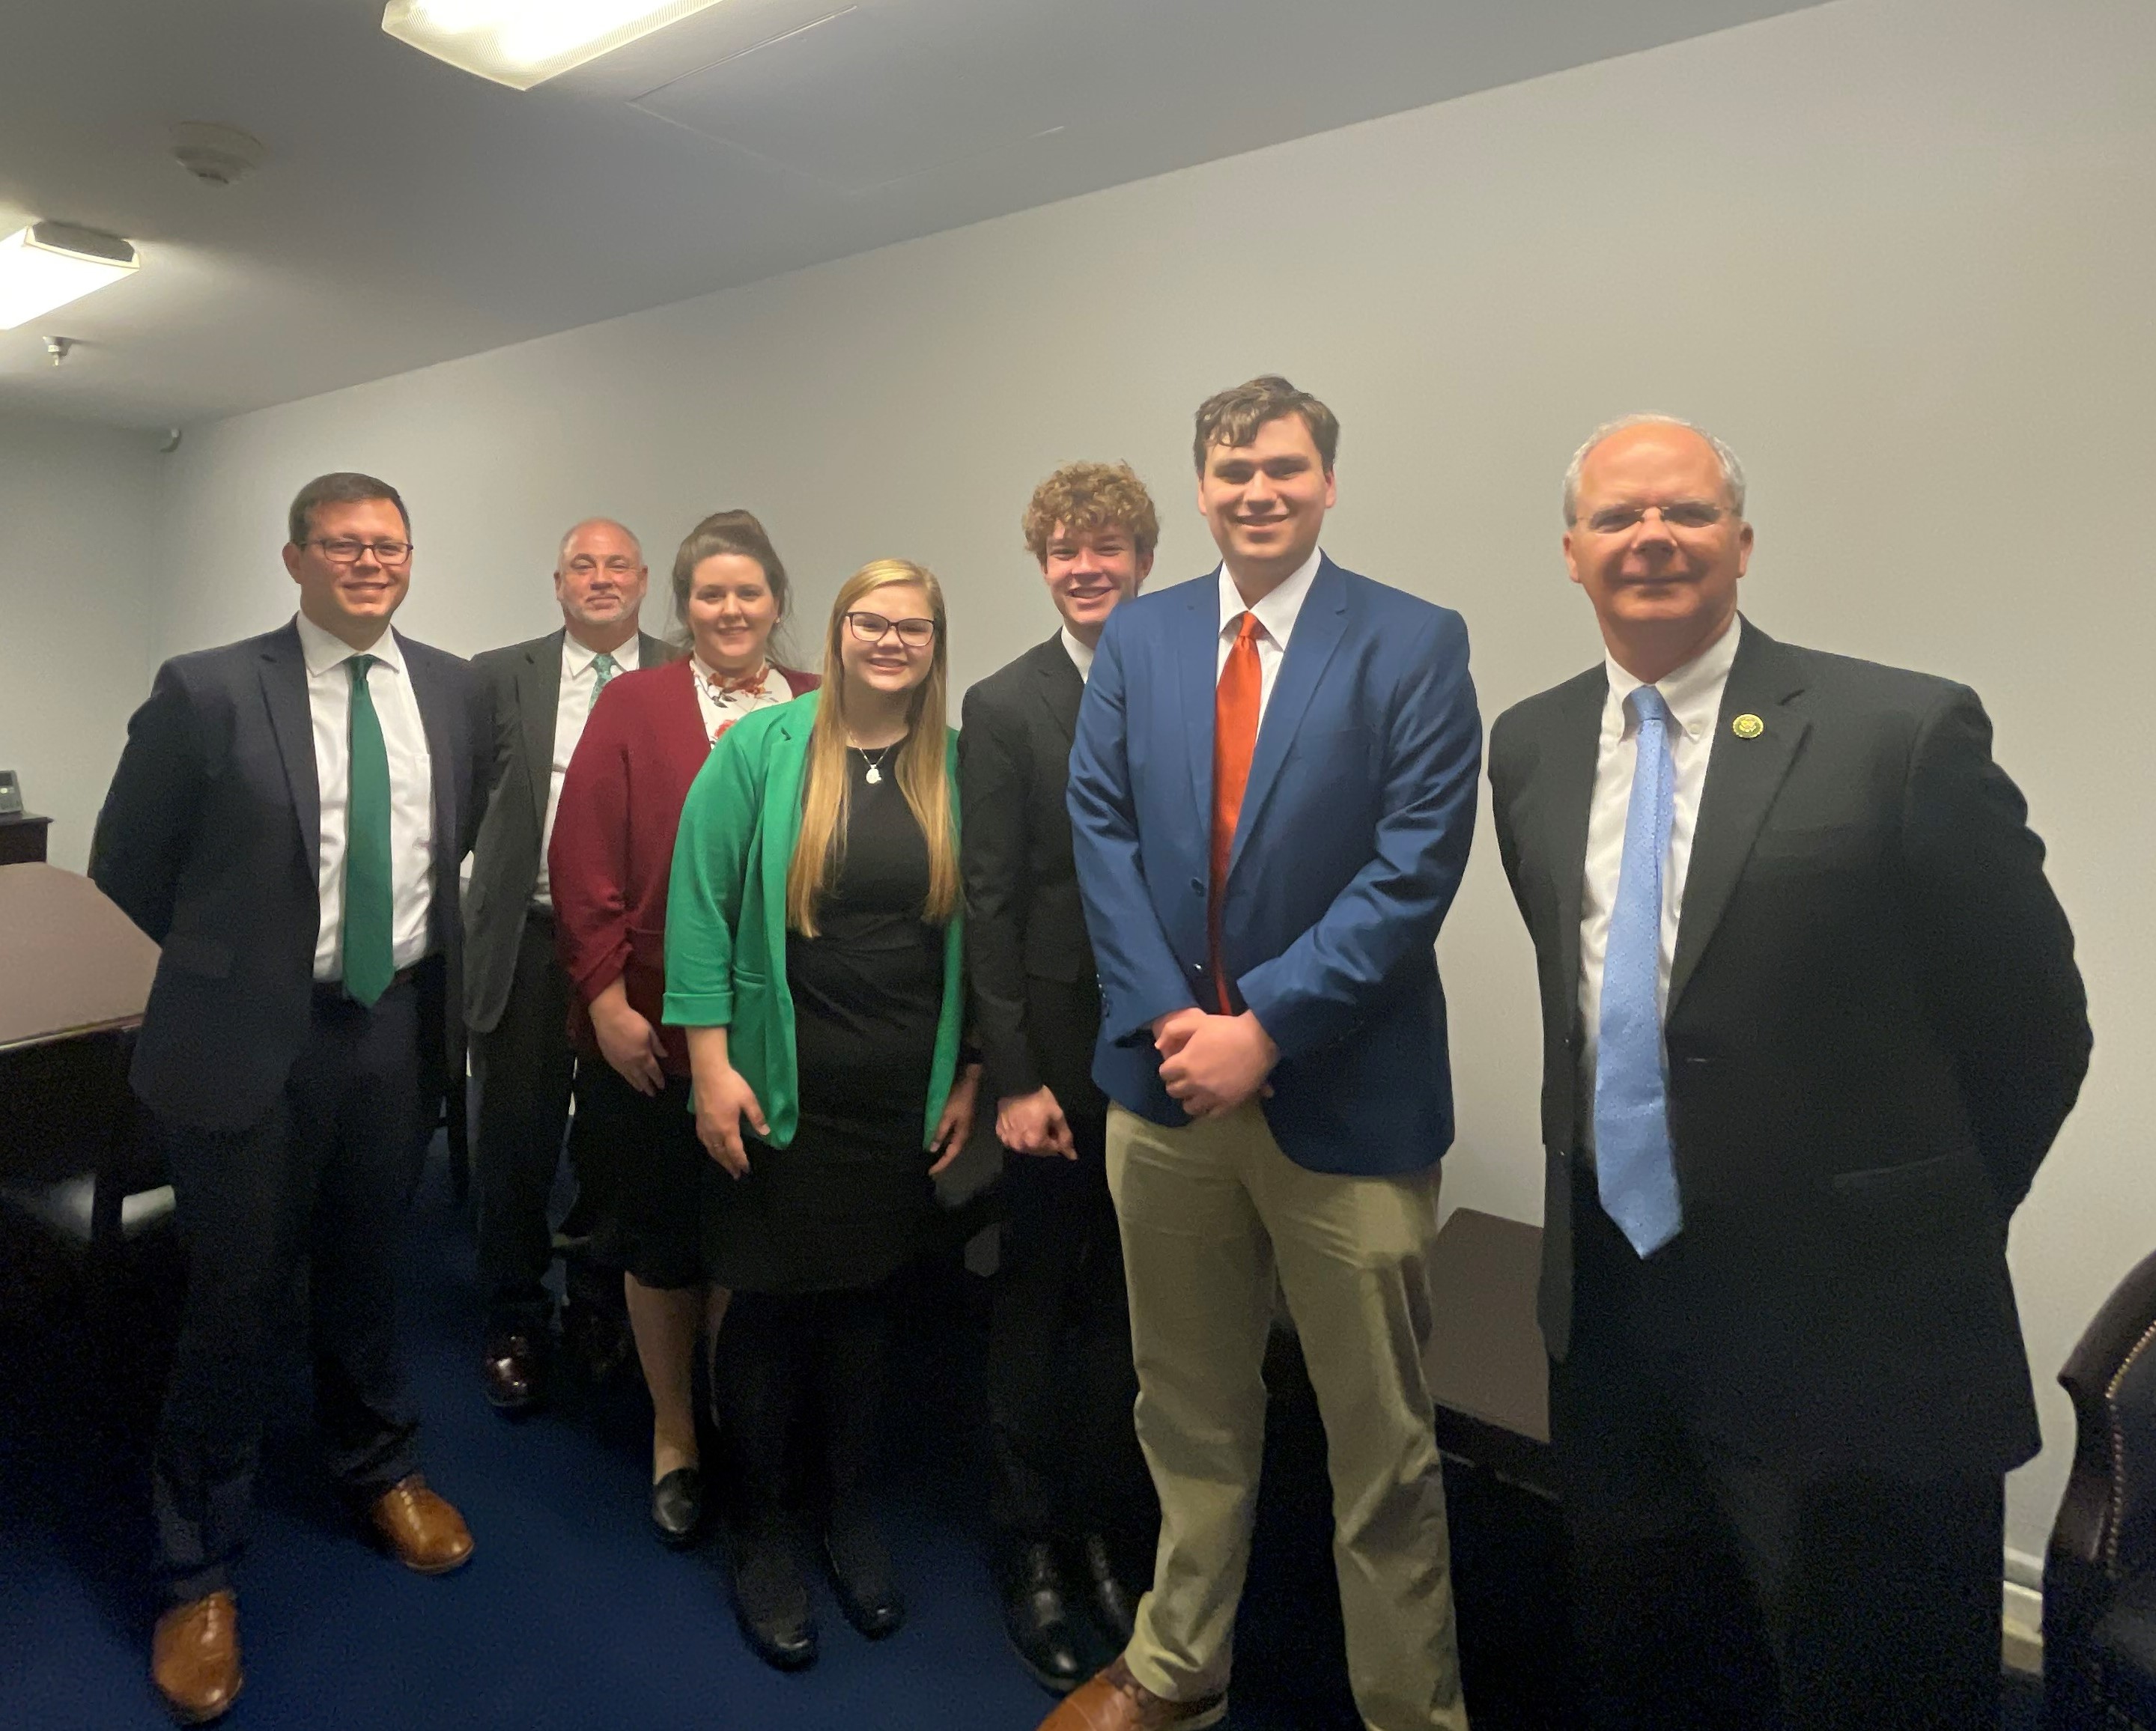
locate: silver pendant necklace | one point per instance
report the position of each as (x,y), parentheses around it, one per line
(875,763)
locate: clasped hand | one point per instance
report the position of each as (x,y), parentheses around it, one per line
(1211,1064)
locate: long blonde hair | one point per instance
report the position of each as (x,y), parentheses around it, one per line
(922,775)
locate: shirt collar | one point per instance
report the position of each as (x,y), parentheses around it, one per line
(323,651)
(1079,652)
(1276,611)
(577,658)
(1693,692)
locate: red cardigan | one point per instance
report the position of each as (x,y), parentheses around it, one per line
(613,849)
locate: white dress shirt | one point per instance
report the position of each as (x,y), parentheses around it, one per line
(1081,654)
(1277,616)
(722,708)
(572,706)
(1693,693)
(411,791)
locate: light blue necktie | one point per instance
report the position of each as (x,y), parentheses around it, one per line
(1635,1172)
(604,667)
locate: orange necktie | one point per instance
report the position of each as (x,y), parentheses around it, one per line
(1234,739)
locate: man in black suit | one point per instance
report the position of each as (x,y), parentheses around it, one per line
(287,821)
(1811,1020)
(517,997)
(1069,1480)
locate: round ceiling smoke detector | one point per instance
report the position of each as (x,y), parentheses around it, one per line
(218,156)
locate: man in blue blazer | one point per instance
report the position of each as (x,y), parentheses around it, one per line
(286,820)
(1272,794)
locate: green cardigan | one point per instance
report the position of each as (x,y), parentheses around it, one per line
(726,913)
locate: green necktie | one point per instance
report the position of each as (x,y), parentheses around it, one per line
(370,958)
(604,667)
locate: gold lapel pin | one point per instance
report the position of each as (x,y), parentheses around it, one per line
(1747,727)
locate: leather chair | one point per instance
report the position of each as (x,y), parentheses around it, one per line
(2100,1574)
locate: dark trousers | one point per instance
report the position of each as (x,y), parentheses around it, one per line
(523,1068)
(323,1180)
(1711,1591)
(1062,1386)
(787,1357)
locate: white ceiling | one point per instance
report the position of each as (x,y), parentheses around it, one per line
(409,213)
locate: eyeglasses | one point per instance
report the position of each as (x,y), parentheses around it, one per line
(343,551)
(583,565)
(874,629)
(1681,514)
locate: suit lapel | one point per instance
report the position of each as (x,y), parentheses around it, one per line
(285,691)
(1309,646)
(1062,687)
(437,720)
(538,707)
(1570,778)
(1198,657)
(1742,777)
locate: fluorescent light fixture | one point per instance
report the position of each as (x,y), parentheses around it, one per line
(47,264)
(523,43)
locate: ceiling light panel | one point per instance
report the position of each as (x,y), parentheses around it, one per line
(523,43)
(47,264)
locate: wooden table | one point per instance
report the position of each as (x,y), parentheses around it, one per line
(1486,1363)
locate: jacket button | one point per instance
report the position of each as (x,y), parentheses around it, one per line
(1198,884)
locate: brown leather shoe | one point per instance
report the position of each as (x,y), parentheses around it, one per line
(194,1658)
(1115,1701)
(421,1530)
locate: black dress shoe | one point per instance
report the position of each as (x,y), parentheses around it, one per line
(861,1575)
(1113,1602)
(770,1600)
(514,1371)
(1037,1619)
(677,1507)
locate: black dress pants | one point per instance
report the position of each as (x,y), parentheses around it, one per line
(1712,1591)
(1062,1386)
(523,1067)
(784,1357)
(322,1180)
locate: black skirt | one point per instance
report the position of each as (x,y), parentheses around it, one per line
(637,1156)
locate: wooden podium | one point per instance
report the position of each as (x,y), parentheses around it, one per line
(74,977)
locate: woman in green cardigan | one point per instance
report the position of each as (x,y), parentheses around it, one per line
(813,955)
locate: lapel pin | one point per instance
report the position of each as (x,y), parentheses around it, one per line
(1747,727)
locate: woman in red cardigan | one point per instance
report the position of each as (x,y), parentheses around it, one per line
(613,850)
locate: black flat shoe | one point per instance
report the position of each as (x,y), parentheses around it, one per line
(1113,1602)
(770,1600)
(677,1507)
(861,1575)
(1037,1618)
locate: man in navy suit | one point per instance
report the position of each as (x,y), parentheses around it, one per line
(1272,793)
(286,821)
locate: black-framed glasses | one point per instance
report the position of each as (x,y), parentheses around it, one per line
(874,629)
(1678,514)
(344,550)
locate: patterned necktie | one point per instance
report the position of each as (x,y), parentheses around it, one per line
(1636,1170)
(369,945)
(604,667)
(1234,739)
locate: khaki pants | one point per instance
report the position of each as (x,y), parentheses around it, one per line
(1208,1213)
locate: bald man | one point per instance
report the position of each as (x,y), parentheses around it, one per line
(515,995)
(1810,1022)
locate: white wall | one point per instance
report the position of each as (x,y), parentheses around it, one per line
(1899,251)
(78,508)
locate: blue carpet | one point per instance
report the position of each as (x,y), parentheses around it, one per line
(569,1616)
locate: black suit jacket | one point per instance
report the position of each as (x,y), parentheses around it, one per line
(1036,1003)
(208,840)
(1874,1029)
(522,686)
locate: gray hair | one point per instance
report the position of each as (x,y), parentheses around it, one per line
(1733,471)
(569,535)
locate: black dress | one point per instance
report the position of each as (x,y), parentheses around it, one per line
(844,1205)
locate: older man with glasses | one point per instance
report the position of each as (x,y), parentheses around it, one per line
(516,997)
(287,821)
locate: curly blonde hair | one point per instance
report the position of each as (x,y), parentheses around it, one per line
(1086,497)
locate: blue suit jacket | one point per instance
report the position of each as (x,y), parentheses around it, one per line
(1354,831)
